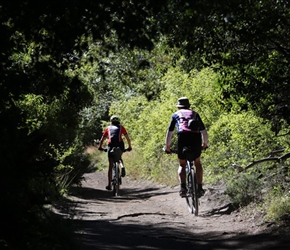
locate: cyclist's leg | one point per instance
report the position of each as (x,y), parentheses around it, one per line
(181,171)
(199,170)
(182,163)
(199,176)
(196,145)
(123,171)
(110,160)
(110,171)
(182,177)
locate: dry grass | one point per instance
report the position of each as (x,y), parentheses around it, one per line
(91,150)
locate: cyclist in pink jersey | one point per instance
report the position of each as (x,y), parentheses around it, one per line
(114,134)
(191,133)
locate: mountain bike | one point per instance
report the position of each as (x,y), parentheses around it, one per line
(191,196)
(116,154)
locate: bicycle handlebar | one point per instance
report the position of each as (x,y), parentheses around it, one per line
(175,150)
(106,150)
(171,151)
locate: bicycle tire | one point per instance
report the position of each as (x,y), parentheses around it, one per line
(191,196)
(195,192)
(116,178)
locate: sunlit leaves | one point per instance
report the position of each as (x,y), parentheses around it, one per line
(35,109)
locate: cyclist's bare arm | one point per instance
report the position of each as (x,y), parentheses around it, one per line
(101,143)
(128,141)
(168,139)
(204,138)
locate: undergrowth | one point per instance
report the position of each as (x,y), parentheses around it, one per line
(265,187)
(277,205)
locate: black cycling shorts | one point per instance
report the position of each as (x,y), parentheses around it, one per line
(120,144)
(191,140)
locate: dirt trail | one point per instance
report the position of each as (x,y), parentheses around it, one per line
(150,216)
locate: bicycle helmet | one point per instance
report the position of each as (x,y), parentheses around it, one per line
(115,119)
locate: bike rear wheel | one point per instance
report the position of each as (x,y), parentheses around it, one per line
(116,179)
(191,196)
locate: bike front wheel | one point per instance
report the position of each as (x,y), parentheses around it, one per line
(191,196)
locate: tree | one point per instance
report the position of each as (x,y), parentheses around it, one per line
(247,41)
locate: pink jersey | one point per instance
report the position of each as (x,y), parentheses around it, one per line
(180,119)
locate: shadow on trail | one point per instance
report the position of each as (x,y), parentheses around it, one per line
(86,194)
(126,193)
(109,235)
(224,210)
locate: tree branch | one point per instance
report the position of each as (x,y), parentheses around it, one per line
(277,159)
